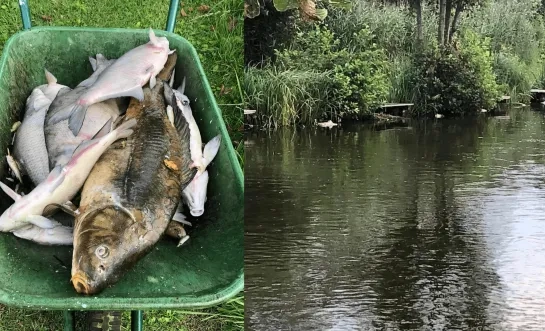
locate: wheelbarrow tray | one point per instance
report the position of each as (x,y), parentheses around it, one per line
(206,270)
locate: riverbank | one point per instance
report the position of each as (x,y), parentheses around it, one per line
(354,61)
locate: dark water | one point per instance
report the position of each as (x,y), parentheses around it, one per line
(439,226)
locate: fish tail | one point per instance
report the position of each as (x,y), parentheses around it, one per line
(125,129)
(76,118)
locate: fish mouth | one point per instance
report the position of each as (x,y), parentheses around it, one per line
(80,280)
(196,212)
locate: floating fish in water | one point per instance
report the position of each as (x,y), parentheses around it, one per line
(60,141)
(25,217)
(131,195)
(29,148)
(194,195)
(328,124)
(124,78)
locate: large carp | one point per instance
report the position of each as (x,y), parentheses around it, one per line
(131,195)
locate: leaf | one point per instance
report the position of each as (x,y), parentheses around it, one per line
(321,13)
(343,4)
(171,165)
(225,90)
(183,13)
(46,18)
(232,23)
(308,11)
(252,9)
(283,5)
(203,9)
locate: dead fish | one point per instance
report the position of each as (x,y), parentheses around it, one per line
(130,196)
(25,216)
(194,195)
(124,78)
(29,148)
(59,140)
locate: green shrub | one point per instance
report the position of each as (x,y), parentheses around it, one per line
(359,79)
(455,81)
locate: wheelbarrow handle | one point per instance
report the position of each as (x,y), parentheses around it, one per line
(171,19)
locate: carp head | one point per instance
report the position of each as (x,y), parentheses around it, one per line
(107,243)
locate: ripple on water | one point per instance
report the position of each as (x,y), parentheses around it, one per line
(422,229)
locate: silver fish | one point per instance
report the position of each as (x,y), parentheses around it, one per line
(29,142)
(194,195)
(60,141)
(124,78)
(25,217)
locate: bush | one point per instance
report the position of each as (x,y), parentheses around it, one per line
(455,81)
(359,78)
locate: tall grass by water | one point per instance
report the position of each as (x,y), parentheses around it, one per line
(287,97)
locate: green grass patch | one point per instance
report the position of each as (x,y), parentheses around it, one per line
(216,33)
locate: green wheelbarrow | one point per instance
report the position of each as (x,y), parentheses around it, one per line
(205,271)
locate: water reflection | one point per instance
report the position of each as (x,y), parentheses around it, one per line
(436,226)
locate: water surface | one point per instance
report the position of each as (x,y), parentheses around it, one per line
(436,226)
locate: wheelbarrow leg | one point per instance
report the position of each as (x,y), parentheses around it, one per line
(136,320)
(68,320)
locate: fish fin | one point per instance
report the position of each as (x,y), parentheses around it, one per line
(171,82)
(152,82)
(82,146)
(168,93)
(40,221)
(101,59)
(15,166)
(187,177)
(76,118)
(170,115)
(106,128)
(118,120)
(183,240)
(152,37)
(211,149)
(68,208)
(180,218)
(93,62)
(50,209)
(136,92)
(50,78)
(181,88)
(125,129)
(56,176)
(58,235)
(12,194)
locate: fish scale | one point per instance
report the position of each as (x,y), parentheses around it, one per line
(150,156)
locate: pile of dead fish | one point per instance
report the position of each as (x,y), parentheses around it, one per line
(127,145)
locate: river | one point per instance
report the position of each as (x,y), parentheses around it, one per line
(436,226)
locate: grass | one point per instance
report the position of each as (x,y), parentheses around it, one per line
(216,32)
(286,97)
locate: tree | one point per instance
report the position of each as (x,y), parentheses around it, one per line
(307,8)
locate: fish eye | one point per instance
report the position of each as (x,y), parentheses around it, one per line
(102,252)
